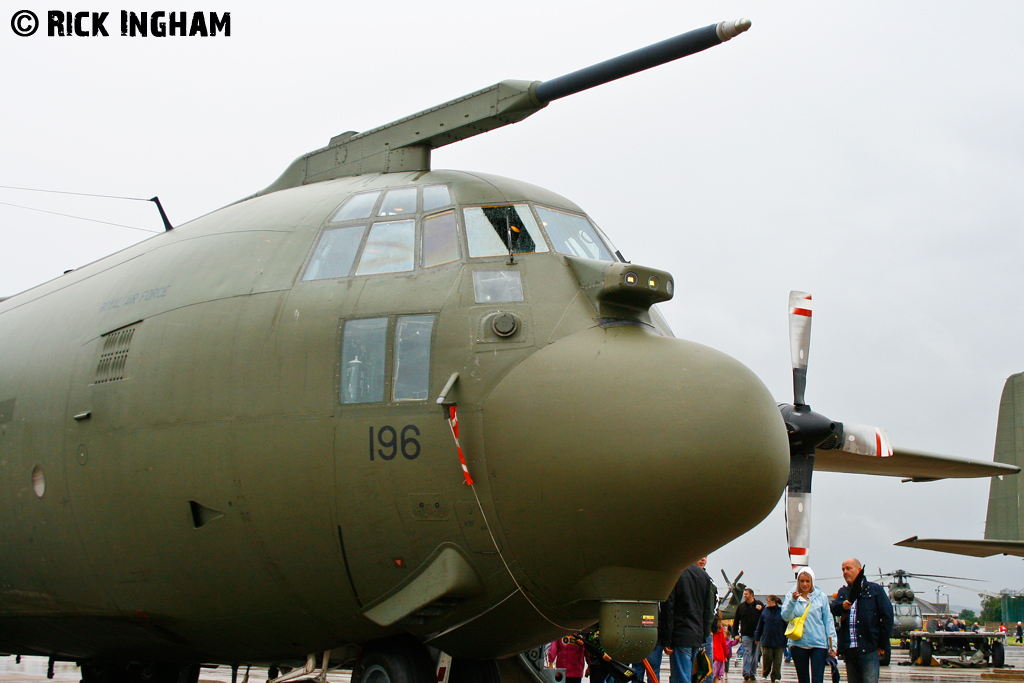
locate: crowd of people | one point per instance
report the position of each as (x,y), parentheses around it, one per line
(805,627)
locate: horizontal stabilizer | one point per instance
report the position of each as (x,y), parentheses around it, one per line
(977,548)
(909,464)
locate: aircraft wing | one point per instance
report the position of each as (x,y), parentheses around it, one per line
(976,548)
(909,464)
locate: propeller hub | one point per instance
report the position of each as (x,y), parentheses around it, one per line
(807,429)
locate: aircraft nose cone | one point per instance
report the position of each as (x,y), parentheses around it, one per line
(617,457)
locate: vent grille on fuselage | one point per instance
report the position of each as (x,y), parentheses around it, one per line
(114,355)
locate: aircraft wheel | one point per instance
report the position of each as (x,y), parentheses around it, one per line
(474,671)
(399,660)
(998,655)
(926,653)
(162,672)
(103,672)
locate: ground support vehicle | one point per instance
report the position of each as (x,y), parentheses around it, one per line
(926,645)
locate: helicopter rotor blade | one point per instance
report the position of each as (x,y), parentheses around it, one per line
(928,577)
(974,589)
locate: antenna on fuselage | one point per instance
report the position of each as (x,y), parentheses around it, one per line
(160,207)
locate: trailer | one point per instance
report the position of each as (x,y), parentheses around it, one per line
(926,645)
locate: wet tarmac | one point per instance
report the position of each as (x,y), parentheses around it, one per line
(33,670)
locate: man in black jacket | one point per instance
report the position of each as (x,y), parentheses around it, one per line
(748,613)
(865,623)
(688,611)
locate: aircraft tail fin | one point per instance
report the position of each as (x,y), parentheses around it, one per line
(1005,519)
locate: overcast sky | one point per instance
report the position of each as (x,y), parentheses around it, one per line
(871,153)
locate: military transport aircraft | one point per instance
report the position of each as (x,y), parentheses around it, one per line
(362,417)
(1004,525)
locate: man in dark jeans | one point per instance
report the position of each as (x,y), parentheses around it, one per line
(865,623)
(747,615)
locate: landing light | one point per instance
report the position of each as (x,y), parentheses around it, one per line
(630,279)
(652,282)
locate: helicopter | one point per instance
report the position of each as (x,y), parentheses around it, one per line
(331,424)
(732,597)
(906,605)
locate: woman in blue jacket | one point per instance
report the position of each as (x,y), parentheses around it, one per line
(771,636)
(818,639)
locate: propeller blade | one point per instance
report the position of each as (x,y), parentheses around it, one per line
(798,510)
(799,341)
(865,440)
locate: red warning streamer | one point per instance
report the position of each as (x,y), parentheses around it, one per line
(453,422)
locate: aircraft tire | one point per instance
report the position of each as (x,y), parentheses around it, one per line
(998,655)
(163,672)
(926,653)
(397,660)
(103,672)
(474,671)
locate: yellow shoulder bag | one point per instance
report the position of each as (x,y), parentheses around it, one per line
(795,630)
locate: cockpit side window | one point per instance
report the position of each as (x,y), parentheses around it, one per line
(369,345)
(335,253)
(440,239)
(412,357)
(573,234)
(497,286)
(389,248)
(363,349)
(496,230)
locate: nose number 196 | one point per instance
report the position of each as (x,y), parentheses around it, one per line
(386,442)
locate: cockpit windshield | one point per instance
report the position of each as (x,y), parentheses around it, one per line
(403,229)
(573,234)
